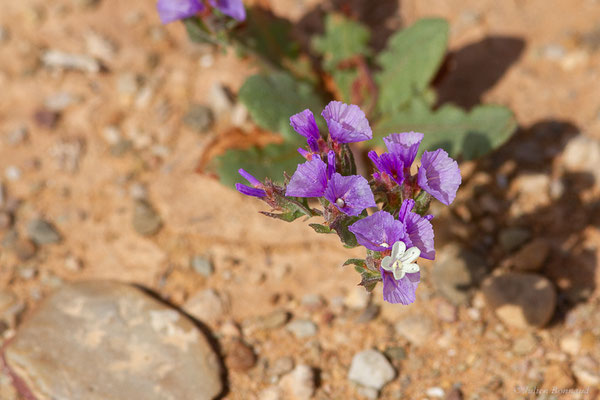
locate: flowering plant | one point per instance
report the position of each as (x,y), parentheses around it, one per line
(395,235)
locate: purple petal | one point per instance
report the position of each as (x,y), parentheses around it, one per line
(377,229)
(232,8)
(304,153)
(346,123)
(419,230)
(304,123)
(172,10)
(439,175)
(313,145)
(402,291)
(309,180)
(330,164)
(353,191)
(250,191)
(389,163)
(253,181)
(405,145)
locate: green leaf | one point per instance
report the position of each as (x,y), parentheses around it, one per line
(321,228)
(359,263)
(287,216)
(340,225)
(273,98)
(269,161)
(342,39)
(472,134)
(410,62)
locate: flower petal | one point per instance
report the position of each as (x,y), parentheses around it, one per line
(309,180)
(439,175)
(346,123)
(304,123)
(419,230)
(411,268)
(232,8)
(172,10)
(386,263)
(398,249)
(353,190)
(410,255)
(398,291)
(377,229)
(405,145)
(250,191)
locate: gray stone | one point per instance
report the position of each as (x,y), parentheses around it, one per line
(60,101)
(43,232)
(302,328)
(415,328)
(512,238)
(12,173)
(281,366)
(206,305)
(199,118)
(582,154)
(532,256)
(456,272)
(17,136)
(300,383)
(103,340)
(586,371)
(146,220)
(100,46)
(521,300)
(370,368)
(81,62)
(367,392)
(202,265)
(273,320)
(525,344)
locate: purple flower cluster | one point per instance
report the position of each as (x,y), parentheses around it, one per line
(399,232)
(173,10)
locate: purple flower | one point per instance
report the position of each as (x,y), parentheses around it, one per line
(379,231)
(419,231)
(346,123)
(439,175)
(172,10)
(389,163)
(232,8)
(309,180)
(304,123)
(404,145)
(257,189)
(350,194)
(401,291)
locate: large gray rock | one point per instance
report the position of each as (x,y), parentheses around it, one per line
(103,340)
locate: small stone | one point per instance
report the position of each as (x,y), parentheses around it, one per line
(415,328)
(521,300)
(271,393)
(273,320)
(281,366)
(446,312)
(146,220)
(525,345)
(58,102)
(553,51)
(199,118)
(367,392)
(100,46)
(456,272)
(12,173)
(395,353)
(221,99)
(312,301)
(370,368)
(300,383)
(582,154)
(17,136)
(368,314)
(239,115)
(112,135)
(513,238)
(46,118)
(205,306)
(436,392)
(27,272)
(24,249)
(454,394)
(532,256)
(73,263)
(62,60)
(357,299)
(302,328)
(11,308)
(67,153)
(43,232)
(558,376)
(137,340)
(586,371)
(570,344)
(240,356)
(128,84)
(202,265)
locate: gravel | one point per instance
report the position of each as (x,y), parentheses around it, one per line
(370,368)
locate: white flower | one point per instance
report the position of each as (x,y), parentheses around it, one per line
(401,262)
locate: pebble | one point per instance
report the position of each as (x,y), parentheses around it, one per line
(586,371)
(199,118)
(367,392)
(302,328)
(59,59)
(202,265)
(43,232)
(99,46)
(59,101)
(17,136)
(270,393)
(446,312)
(67,153)
(12,173)
(532,256)
(570,344)
(221,99)
(370,368)
(137,339)
(300,383)
(415,328)
(521,300)
(24,249)
(146,220)
(273,320)
(240,356)
(525,345)
(532,191)
(454,394)
(281,366)
(395,353)
(206,306)
(357,298)
(558,376)
(312,301)
(456,272)
(512,238)
(368,314)
(582,154)
(435,391)
(45,118)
